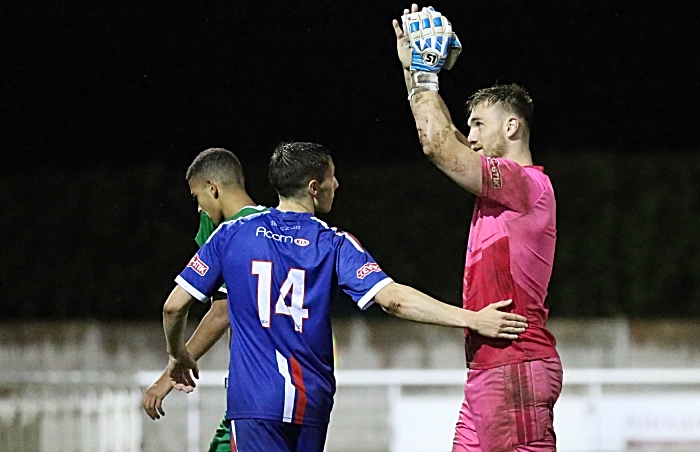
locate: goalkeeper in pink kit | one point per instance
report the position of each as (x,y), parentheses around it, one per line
(512,385)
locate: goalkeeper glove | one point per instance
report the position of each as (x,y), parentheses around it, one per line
(433,44)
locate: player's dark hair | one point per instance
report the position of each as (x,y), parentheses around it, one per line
(512,98)
(219,165)
(293,165)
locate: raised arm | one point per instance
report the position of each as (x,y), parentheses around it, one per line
(408,303)
(442,142)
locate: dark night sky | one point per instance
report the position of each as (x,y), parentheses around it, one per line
(117,83)
(91,92)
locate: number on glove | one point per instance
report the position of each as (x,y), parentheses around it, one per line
(433,44)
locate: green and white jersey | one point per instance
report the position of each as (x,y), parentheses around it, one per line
(207,228)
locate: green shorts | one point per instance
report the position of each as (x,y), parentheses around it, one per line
(222,438)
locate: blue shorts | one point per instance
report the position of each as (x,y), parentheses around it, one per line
(262,435)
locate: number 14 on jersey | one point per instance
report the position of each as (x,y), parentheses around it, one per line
(294,283)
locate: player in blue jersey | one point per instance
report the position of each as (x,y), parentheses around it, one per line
(282,269)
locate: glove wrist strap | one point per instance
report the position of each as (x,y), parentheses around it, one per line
(422,81)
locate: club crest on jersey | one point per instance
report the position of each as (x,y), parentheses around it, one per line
(198,265)
(366,269)
(496,181)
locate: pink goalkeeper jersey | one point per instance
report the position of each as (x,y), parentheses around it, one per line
(510,253)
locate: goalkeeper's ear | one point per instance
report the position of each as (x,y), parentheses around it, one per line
(453,52)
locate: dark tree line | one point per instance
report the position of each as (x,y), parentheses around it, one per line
(106,243)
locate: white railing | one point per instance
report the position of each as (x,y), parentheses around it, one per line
(600,409)
(601,393)
(69,411)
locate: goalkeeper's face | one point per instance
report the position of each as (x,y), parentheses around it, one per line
(487,130)
(325,192)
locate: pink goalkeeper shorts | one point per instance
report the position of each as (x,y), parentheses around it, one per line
(509,408)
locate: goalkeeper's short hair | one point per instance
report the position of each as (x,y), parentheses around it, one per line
(512,98)
(219,165)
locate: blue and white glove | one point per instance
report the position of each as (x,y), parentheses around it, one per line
(433,44)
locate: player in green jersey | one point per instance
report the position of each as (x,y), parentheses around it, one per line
(216,182)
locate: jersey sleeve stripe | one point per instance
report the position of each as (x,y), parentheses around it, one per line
(353,241)
(180,281)
(368,299)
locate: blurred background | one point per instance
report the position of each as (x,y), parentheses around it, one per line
(105,106)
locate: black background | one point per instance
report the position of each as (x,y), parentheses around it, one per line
(135,91)
(119,83)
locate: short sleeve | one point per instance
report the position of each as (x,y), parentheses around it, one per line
(359,276)
(203,275)
(509,184)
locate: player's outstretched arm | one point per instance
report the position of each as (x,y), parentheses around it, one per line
(408,303)
(213,325)
(442,142)
(181,362)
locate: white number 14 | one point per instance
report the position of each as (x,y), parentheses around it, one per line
(294,283)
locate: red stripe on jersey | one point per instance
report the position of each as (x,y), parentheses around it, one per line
(301,390)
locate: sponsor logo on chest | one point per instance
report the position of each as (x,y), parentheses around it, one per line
(261,231)
(198,265)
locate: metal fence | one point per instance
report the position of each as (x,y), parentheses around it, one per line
(69,411)
(375,410)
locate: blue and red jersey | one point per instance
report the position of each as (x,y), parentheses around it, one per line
(282,270)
